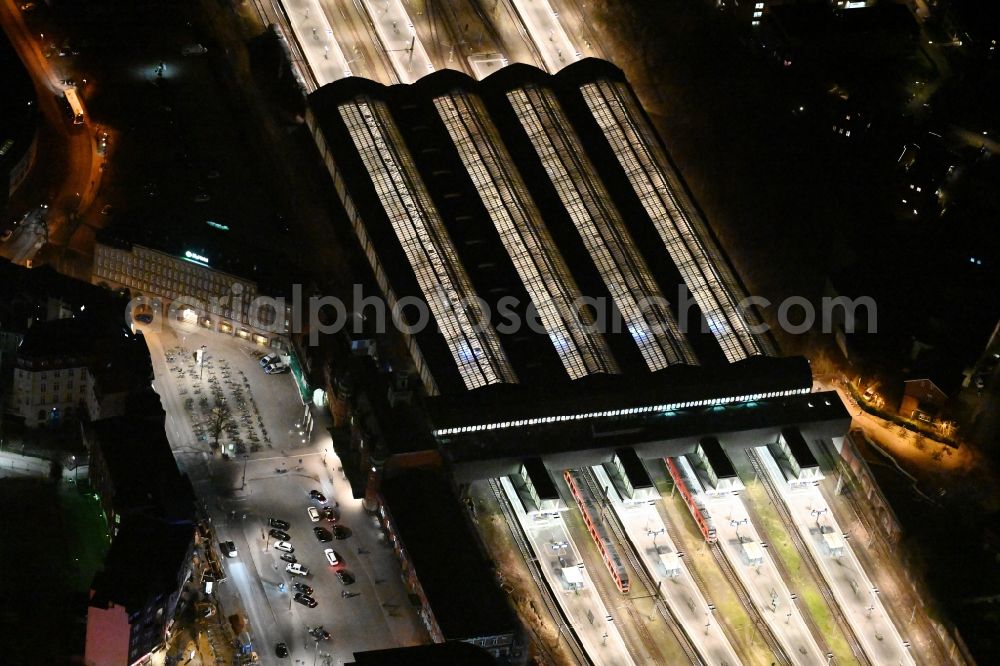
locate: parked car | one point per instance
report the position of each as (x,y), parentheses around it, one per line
(280,535)
(306,600)
(340,532)
(281,650)
(194,49)
(288,557)
(317,495)
(320,634)
(278,524)
(228,548)
(284,547)
(275,368)
(269,359)
(331,557)
(322,534)
(296,569)
(345,577)
(328,513)
(303,588)
(313,514)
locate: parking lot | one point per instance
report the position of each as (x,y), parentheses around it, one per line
(223,405)
(265,466)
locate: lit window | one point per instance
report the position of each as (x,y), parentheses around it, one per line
(757,14)
(755,23)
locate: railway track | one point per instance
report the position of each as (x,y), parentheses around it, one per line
(645,580)
(807,557)
(679,543)
(800,603)
(278,17)
(522,28)
(752,610)
(554,610)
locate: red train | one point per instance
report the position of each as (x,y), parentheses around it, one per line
(694,504)
(591,510)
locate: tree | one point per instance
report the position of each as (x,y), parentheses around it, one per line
(217,424)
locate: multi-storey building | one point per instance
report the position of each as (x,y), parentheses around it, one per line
(195,285)
(754,11)
(150,508)
(134,597)
(81,366)
(550,195)
(120,446)
(444,567)
(19,130)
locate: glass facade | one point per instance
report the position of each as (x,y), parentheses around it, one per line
(474,345)
(681,229)
(610,246)
(539,264)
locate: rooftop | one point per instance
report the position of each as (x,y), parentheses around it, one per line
(224,251)
(441,546)
(18,109)
(88,339)
(27,294)
(604,393)
(416,131)
(450,653)
(140,463)
(825,411)
(143,562)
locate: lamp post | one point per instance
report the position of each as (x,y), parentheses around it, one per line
(654,534)
(817,513)
(736,524)
(243,483)
(201,363)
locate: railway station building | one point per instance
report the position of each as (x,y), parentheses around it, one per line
(549,199)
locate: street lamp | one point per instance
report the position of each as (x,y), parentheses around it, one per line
(243,483)
(201,363)
(654,534)
(736,524)
(817,513)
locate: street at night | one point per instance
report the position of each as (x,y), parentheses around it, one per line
(500,332)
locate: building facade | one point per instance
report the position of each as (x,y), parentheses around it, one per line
(549,195)
(188,289)
(134,598)
(19,130)
(79,366)
(45,395)
(444,567)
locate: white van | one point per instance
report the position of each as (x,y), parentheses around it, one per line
(296,569)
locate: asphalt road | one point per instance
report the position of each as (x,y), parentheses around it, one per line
(71,174)
(240,495)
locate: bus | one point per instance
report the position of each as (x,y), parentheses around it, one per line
(75,105)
